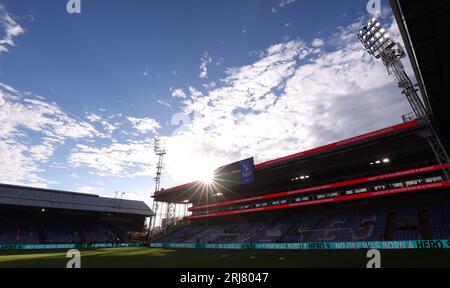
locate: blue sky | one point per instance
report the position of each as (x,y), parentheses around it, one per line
(82,96)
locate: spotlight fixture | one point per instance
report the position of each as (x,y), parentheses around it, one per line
(374,38)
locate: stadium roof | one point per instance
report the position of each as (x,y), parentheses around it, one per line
(425,29)
(401,142)
(45,198)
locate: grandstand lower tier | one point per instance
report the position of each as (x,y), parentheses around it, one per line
(387,219)
(42,228)
(30,215)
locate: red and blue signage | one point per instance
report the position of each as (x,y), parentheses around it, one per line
(247,171)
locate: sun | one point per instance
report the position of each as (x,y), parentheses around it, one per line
(206,176)
(186,166)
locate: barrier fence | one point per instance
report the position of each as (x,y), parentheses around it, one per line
(66,246)
(409,244)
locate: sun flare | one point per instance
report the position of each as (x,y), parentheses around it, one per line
(206,176)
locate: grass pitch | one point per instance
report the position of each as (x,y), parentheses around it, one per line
(206,258)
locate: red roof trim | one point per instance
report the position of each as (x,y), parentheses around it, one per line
(340,143)
(329,200)
(175,188)
(327,186)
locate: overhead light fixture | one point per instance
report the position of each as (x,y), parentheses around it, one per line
(383,161)
(369,36)
(302,177)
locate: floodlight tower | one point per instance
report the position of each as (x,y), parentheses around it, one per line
(160,151)
(377,42)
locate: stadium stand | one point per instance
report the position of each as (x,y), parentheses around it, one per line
(383,185)
(41,216)
(330,226)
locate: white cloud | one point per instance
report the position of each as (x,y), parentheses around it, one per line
(42,152)
(164,103)
(2,100)
(30,132)
(195,94)
(93,118)
(205,61)
(284,3)
(317,42)
(144,125)
(131,159)
(107,127)
(11,29)
(210,85)
(17,167)
(19,112)
(178,93)
(279,105)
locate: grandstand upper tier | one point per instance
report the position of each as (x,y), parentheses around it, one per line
(13,195)
(394,160)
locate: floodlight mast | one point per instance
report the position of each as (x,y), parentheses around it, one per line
(160,151)
(377,42)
